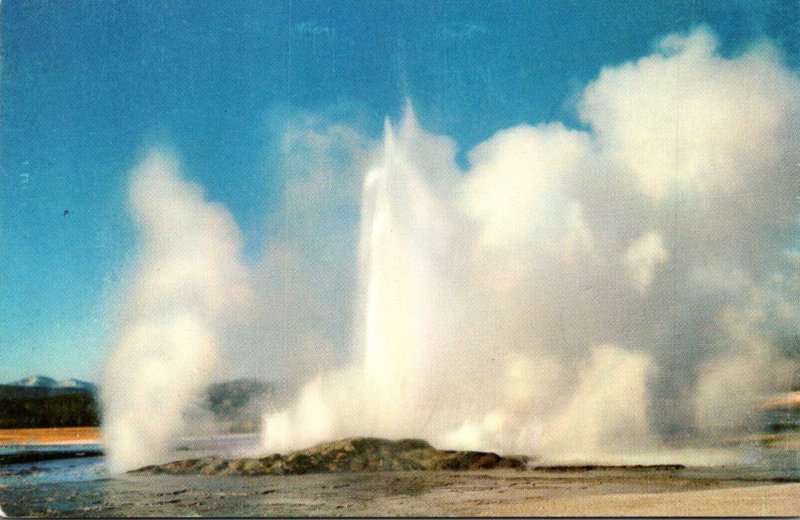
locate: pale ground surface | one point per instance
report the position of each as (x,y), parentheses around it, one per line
(489,493)
(768,500)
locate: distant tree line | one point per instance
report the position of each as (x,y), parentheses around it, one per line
(46,408)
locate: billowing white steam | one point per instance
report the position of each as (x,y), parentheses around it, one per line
(188,279)
(573,294)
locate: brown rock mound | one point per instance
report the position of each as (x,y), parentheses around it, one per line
(347,455)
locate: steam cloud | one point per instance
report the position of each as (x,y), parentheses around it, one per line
(187,282)
(574,294)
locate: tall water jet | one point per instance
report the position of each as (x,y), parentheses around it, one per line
(403,230)
(398,287)
(386,322)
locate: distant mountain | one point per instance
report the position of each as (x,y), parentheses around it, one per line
(39,381)
(49,382)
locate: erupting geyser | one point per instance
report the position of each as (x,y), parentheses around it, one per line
(399,323)
(572,294)
(426,365)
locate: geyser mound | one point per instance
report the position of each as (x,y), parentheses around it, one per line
(346,455)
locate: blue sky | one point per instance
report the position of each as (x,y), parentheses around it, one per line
(87,85)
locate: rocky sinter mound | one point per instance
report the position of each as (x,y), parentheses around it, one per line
(347,455)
